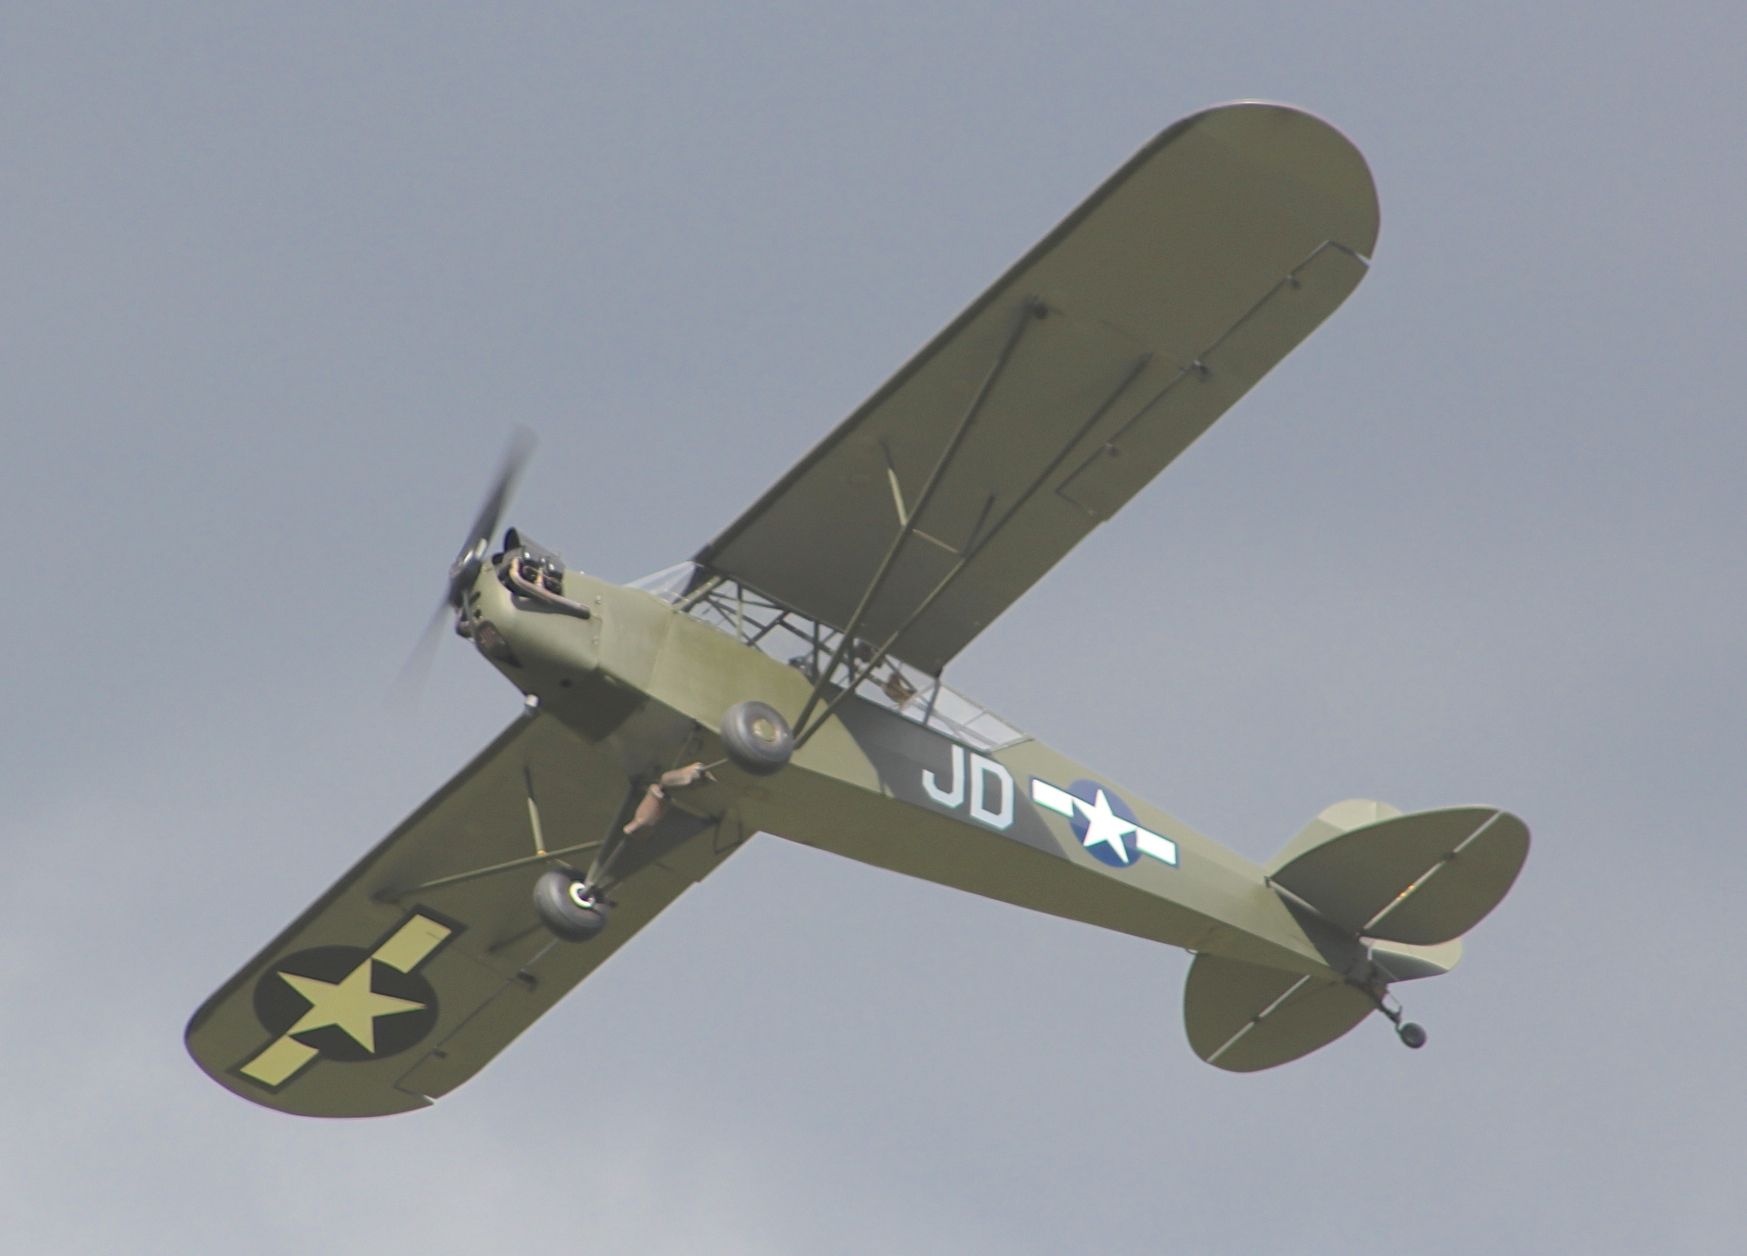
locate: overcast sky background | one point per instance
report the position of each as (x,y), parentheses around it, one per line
(276,282)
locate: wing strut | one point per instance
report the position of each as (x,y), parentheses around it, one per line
(1031,310)
(605,849)
(473,874)
(978,541)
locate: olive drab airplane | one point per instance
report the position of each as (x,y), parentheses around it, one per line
(787,680)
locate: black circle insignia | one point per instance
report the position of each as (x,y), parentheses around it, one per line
(392,1009)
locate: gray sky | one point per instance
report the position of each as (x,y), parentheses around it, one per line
(278,281)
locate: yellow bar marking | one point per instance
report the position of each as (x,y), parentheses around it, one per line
(897,491)
(275,1065)
(534,824)
(414,940)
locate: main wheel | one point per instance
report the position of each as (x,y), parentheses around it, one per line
(1412,1035)
(567,907)
(756,737)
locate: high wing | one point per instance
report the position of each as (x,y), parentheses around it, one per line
(1067,386)
(423,962)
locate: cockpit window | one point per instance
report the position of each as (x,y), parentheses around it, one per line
(807,645)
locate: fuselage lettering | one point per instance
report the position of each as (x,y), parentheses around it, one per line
(989,785)
(952,796)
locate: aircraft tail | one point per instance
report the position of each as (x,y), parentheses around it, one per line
(1398,891)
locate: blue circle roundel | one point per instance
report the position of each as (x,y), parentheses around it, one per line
(1107,827)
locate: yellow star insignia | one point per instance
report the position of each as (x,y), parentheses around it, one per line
(350,1004)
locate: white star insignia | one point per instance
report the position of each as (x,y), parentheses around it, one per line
(1104,826)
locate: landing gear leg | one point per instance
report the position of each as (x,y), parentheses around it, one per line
(575,907)
(571,904)
(1411,1035)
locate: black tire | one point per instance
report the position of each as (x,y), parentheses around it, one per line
(1412,1035)
(756,737)
(563,905)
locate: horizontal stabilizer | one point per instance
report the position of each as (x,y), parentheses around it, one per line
(1244,1017)
(1422,879)
(1342,817)
(1399,961)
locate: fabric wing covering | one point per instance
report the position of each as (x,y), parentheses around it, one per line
(426,959)
(1067,386)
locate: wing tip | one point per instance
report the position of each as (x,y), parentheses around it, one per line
(1318,153)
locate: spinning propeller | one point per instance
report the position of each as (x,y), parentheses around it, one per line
(465,569)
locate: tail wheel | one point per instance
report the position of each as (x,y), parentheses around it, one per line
(568,907)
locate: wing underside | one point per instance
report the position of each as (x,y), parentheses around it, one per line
(426,959)
(1067,386)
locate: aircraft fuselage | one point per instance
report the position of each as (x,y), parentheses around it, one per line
(1018,822)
